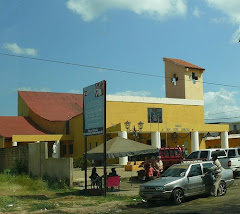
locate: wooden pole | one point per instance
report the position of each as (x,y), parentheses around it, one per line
(105,144)
(85,161)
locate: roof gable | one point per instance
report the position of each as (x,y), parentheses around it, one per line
(17,126)
(53,106)
(183,63)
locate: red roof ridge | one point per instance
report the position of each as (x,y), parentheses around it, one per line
(18,125)
(53,106)
(183,63)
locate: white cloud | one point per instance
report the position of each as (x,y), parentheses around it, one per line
(219,20)
(14,48)
(156,9)
(196,12)
(231,8)
(236,36)
(221,104)
(34,89)
(133,93)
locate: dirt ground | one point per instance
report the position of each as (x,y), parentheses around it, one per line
(194,205)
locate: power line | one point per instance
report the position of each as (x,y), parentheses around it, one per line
(80,65)
(108,69)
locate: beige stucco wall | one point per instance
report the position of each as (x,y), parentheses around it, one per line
(184,88)
(172,91)
(193,91)
(40,165)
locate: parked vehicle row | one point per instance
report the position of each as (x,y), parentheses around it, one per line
(229,158)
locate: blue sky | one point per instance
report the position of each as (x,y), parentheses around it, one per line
(121,34)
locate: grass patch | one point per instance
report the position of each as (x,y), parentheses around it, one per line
(8,204)
(43,206)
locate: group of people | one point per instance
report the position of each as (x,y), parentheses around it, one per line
(96,180)
(152,167)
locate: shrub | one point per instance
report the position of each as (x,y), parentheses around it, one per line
(20,166)
(78,162)
(56,183)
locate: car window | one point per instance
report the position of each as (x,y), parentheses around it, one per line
(175,171)
(172,152)
(204,154)
(193,155)
(238,151)
(195,170)
(231,153)
(219,153)
(206,167)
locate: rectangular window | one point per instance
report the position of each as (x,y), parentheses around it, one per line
(70,149)
(64,150)
(231,153)
(203,154)
(234,127)
(195,170)
(96,144)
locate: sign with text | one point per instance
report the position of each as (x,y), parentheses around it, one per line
(155,115)
(94,98)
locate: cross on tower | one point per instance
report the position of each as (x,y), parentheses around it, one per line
(194,78)
(174,79)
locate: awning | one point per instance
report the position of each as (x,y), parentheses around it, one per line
(120,147)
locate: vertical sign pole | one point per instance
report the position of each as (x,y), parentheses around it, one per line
(85,161)
(105,143)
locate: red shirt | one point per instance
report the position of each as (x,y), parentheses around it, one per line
(150,172)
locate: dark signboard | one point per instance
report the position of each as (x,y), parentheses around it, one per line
(94,97)
(155,115)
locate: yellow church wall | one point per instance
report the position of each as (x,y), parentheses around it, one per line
(216,143)
(193,91)
(120,112)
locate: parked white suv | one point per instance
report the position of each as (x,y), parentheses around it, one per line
(206,154)
(228,158)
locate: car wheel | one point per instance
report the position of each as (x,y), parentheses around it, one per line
(178,196)
(151,201)
(222,188)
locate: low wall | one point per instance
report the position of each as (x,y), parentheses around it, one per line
(7,156)
(40,165)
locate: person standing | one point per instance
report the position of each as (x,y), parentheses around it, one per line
(217,172)
(158,165)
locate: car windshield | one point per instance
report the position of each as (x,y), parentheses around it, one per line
(175,171)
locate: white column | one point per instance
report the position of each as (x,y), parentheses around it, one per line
(194,141)
(123,160)
(224,140)
(14,143)
(56,149)
(156,139)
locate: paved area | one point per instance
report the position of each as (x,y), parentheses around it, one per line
(129,185)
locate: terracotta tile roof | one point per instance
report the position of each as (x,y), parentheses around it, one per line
(53,106)
(17,126)
(183,63)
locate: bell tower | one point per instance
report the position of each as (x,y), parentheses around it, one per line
(183,80)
